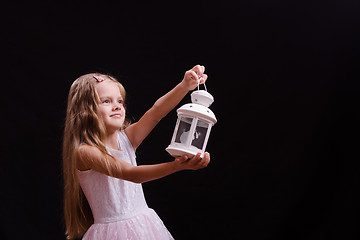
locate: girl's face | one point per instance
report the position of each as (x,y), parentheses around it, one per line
(111,105)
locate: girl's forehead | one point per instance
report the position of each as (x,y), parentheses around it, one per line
(108,88)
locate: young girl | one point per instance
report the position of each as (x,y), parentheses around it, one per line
(103,192)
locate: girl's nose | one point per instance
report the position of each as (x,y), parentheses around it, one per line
(116,107)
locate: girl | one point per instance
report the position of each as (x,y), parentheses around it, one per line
(103,192)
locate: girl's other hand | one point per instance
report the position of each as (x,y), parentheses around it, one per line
(193,76)
(194,163)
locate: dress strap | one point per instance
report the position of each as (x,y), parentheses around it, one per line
(125,143)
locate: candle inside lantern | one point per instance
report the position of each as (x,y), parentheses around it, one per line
(200,134)
(183,130)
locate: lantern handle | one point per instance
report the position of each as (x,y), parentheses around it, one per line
(198,82)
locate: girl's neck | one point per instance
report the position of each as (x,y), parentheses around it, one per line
(111,140)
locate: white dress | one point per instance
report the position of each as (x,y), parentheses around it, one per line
(118,206)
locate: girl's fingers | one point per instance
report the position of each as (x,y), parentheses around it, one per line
(203,79)
(202,69)
(199,70)
(199,162)
(193,75)
(195,160)
(206,159)
(182,159)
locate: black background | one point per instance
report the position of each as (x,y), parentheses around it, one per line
(284,75)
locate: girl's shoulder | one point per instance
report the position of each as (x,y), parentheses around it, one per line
(87,155)
(85,150)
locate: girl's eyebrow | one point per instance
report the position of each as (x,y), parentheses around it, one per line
(110,97)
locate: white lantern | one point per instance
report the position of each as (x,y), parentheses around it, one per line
(193,126)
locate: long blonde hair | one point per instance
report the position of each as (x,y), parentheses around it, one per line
(83,125)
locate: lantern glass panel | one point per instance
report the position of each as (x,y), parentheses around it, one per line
(200,134)
(183,130)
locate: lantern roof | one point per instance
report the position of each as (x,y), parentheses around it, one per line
(197,110)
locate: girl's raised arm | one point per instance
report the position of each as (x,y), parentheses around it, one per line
(138,131)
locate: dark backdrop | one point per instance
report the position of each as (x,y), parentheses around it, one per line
(284,77)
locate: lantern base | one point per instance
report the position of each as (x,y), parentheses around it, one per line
(177,152)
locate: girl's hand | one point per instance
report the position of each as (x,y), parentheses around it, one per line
(193,76)
(194,163)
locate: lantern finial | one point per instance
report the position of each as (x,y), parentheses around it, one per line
(202,97)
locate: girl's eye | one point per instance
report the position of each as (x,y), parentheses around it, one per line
(120,101)
(106,101)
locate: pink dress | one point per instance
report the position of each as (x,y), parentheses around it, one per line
(118,206)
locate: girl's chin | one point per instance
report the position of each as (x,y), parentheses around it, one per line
(114,127)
